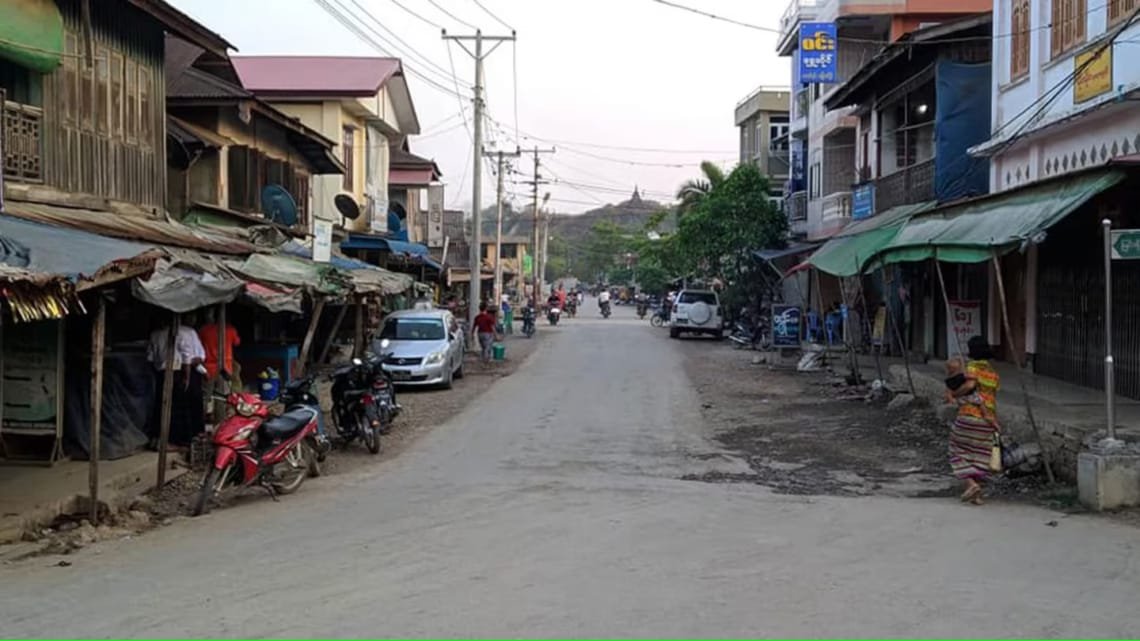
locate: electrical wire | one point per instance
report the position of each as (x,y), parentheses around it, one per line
(452,15)
(442,131)
(515,84)
(349,24)
(933,41)
(409,51)
(418,16)
(462,110)
(490,13)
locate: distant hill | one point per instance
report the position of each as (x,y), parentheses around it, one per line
(632,213)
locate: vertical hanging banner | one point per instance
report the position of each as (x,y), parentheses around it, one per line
(818,53)
(322,240)
(965,323)
(435,215)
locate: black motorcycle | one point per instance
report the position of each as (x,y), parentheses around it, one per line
(363,401)
(642,309)
(605,308)
(528,318)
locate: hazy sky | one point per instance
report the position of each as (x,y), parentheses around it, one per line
(591,73)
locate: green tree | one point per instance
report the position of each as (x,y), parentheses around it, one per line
(695,191)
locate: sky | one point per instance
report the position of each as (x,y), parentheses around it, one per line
(593,76)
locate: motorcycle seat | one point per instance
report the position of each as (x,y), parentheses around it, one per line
(288,423)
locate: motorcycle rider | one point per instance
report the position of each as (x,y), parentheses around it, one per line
(604,300)
(642,304)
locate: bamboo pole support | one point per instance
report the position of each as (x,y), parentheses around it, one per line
(167,397)
(98,342)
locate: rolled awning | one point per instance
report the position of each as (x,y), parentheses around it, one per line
(969,232)
(31,34)
(846,253)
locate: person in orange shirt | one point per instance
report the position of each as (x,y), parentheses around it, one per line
(208,333)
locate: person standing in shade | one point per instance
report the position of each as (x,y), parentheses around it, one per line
(508,315)
(187,416)
(208,334)
(485,330)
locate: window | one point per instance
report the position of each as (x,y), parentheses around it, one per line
(778,135)
(21,85)
(131,85)
(102,93)
(116,72)
(1068,25)
(1019,42)
(509,250)
(413,329)
(240,163)
(1118,10)
(349,150)
(146,105)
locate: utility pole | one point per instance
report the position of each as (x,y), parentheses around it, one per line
(536,276)
(502,156)
(477,176)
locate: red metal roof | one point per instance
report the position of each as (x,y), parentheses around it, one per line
(410,177)
(315,75)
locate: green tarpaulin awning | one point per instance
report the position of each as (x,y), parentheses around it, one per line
(970,231)
(846,253)
(31,34)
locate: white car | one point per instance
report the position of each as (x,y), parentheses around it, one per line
(696,312)
(425,347)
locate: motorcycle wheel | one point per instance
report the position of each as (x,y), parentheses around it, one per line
(370,435)
(657,321)
(211,486)
(295,468)
(315,458)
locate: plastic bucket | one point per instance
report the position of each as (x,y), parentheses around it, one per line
(498,351)
(270,389)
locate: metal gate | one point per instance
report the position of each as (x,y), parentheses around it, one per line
(1070,325)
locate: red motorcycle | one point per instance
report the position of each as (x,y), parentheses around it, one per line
(251,447)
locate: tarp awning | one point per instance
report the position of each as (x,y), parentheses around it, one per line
(366,279)
(845,253)
(31,34)
(274,299)
(186,281)
(279,269)
(970,231)
(379,243)
(791,250)
(54,250)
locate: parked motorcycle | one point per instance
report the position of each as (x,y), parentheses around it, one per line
(528,321)
(553,315)
(745,335)
(251,447)
(302,393)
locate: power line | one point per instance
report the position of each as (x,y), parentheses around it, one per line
(410,52)
(462,110)
(349,24)
(515,84)
(444,131)
(418,16)
(933,41)
(452,15)
(488,12)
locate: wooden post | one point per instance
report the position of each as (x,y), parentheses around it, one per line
(98,335)
(895,331)
(949,312)
(219,406)
(870,323)
(856,371)
(1045,458)
(167,397)
(307,344)
(358,339)
(332,335)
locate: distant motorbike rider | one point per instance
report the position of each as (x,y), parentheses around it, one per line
(642,304)
(604,300)
(528,317)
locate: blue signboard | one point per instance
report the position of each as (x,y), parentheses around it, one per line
(785,326)
(818,53)
(863,201)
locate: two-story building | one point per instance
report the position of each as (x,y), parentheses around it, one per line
(821,138)
(362,103)
(762,119)
(1065,131)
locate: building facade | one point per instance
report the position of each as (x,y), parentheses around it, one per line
(823,169)
(762,120)
(362,103)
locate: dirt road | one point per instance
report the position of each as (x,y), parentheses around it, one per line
(554,505)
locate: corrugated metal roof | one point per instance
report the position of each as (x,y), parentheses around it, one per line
(316,75)
(410,177)
(195,83)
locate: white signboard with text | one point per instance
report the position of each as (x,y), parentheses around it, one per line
(322,240)
(435,215)
(965,323)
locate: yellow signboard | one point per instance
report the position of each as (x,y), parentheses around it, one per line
(1094,74)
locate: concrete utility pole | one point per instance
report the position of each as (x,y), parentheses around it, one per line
(477,179)
(537,275)
(502,156)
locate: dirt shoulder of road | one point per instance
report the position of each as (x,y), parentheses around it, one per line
(423,410)
(812,433)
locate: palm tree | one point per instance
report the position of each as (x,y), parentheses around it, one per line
(696,190)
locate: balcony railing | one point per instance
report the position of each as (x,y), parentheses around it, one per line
(837,205)
(21,141)
(914,184)
(778,162)
(797,206)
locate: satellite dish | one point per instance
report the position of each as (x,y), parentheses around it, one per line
(347,206)
(278,205)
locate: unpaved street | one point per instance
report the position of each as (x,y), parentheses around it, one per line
(557,504)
